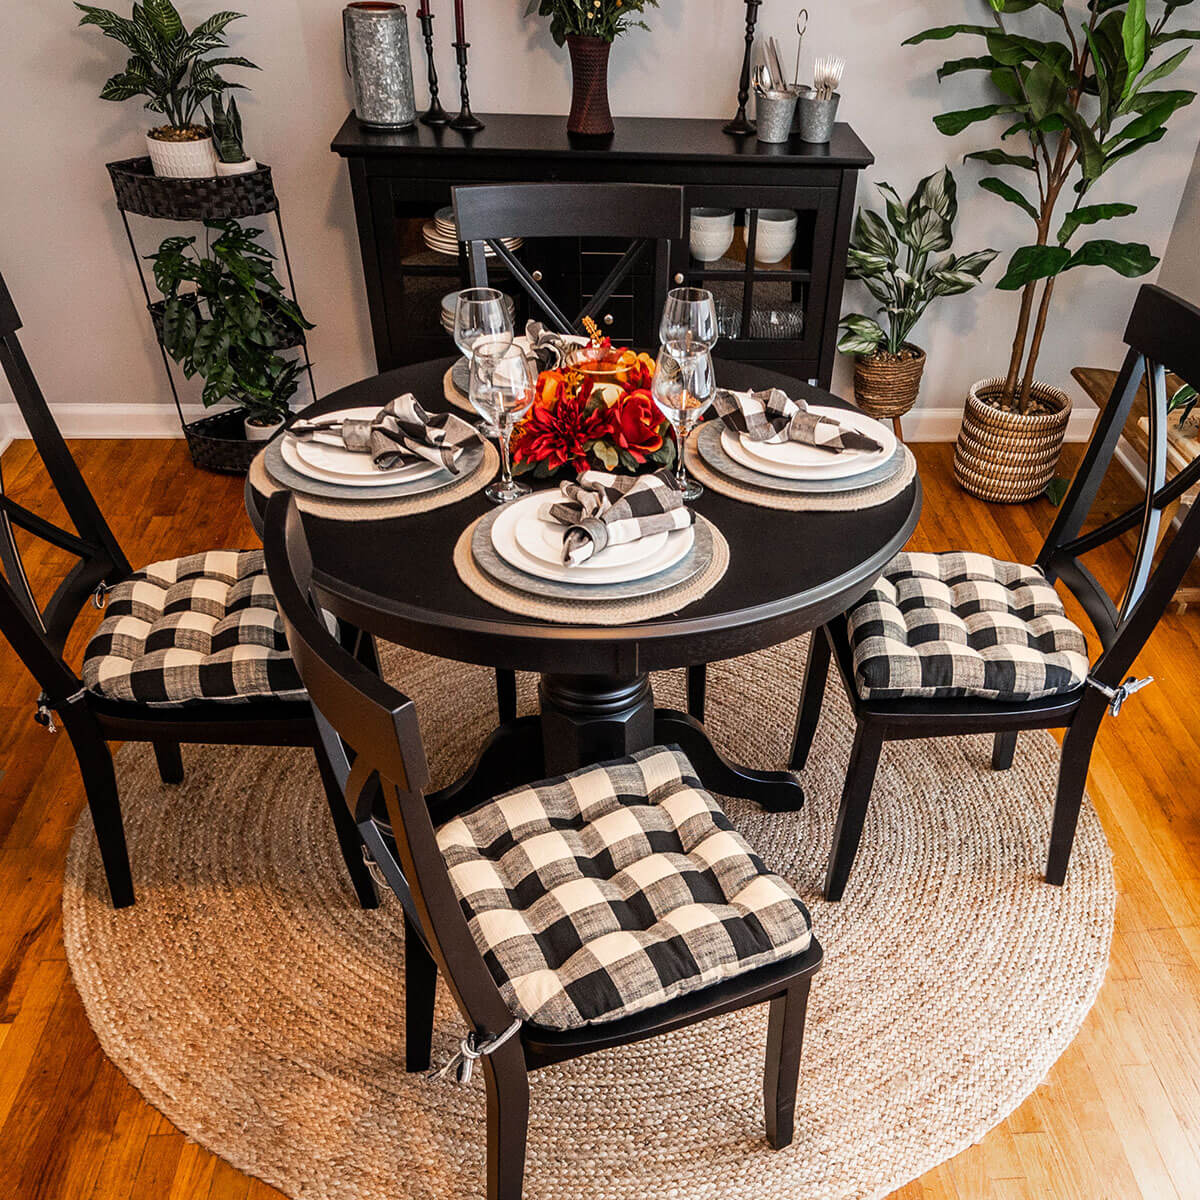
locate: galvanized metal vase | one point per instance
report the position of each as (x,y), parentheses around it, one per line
(379,62)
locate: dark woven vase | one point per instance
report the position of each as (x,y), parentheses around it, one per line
(589,93)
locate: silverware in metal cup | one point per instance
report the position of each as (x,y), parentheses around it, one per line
(817,118)
(775,111)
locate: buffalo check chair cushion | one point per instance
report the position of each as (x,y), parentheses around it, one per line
(615,889)
(947,625)
(202,627)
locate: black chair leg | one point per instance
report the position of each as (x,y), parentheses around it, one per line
(506,695)
(1003,748)
(100,783)
(420,992)
(697,691)
(812,694)
(348,836)
(507,1120)
(170,761)
(856,796)
(785,1039)
(1072,779)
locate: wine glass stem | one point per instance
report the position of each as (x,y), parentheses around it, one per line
(680,469)
(505,431)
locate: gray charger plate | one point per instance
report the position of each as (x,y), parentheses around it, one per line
(492,564)
(460,376)
(708,445)
(282,473)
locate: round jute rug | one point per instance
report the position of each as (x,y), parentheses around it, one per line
(251,1001)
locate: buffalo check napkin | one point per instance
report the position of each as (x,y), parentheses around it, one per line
(602,510)
(773,416)
(399,435)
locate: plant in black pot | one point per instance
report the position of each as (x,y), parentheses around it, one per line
(168,66)
(905,263)
(230,326)
(1075,89)
(589,30)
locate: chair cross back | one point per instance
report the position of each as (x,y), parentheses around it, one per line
(1163,334)
(37,634)
(651,215)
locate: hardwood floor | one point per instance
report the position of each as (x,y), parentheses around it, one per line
(1118,1116)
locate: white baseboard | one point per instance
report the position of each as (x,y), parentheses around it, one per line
(161,421)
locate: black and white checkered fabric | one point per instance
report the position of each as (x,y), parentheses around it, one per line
(614,889)
(400,434)
(608,510)
(945,625)
(773,416)
(203,627)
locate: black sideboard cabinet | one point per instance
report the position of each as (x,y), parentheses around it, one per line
(781,315)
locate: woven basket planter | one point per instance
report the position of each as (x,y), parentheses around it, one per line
(139,190)
(589,86)
(885,389)
(219,443)
(1008,457)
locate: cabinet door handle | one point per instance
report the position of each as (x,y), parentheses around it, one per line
(608,318)
(679,277)
(537,277)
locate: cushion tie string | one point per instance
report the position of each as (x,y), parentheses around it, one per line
(464,1058)
(45,708)
(1118,695)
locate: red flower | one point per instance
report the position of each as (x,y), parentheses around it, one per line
(559,431)
(635,425)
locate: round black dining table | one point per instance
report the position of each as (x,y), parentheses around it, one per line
(788,573)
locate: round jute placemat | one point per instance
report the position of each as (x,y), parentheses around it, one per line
(594,612)
(250,999)
(382,510)
(736,489)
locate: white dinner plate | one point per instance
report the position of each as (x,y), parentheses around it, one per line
(327,454)
(540,535)
(733,447)
(675,546)
(796,454)
(288,445)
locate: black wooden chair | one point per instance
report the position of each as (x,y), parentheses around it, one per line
(958,644)
(609,967)
(191,649)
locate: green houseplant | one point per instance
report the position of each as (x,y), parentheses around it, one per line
(169,67)
(903,259)
(589,28)
(1075,104)
(225,125)
(229,329)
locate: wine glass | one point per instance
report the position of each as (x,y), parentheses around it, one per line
(482,317)
(503,378)
(682,391)
(689,322)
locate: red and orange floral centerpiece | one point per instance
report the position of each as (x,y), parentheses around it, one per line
(596,412)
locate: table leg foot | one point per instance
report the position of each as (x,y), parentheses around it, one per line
(775,791)
(512,756)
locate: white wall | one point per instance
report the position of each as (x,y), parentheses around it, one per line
(63,252)
(1181,264)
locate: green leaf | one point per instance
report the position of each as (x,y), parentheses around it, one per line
(1045,90)
(1033,262)
(975,263)
(1160,72)
(1089,215)
(939,193)
(1013,50)
(952,123)
(1091,156)
(863,264)
(1141,102)
(1183,398)
(862,336)
(928,232)
(165,18)
(125,86)
(1001,158)
(1130,259)
(1056,489)
(873,235)
(1133,38)
(1007,192)
(1142,126)
(955,65)
(942,32)
(1132,148)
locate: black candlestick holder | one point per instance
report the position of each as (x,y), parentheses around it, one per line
(435,114)
(466,120)
(741,125)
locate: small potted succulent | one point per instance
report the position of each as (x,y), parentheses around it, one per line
(229,329)
(225,125)
(895,259)
(167,65)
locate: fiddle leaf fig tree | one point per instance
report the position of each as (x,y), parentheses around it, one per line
(1074,105)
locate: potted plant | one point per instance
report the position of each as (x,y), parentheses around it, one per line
(225,125)
(229,329)
(589,29)
(898,267)
(1080,104)
(167,65)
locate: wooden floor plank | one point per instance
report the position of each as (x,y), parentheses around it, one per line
(1118,1115)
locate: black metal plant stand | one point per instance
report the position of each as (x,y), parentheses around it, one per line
(741,125)
(435,114)
(466,121)
(215,442)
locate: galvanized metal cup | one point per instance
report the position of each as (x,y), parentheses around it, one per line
(379,61)
(774,114)
(817,118)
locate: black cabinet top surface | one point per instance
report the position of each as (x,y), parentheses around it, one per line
(657,138)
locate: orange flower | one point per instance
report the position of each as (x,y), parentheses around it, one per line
(635,424)
(635,370)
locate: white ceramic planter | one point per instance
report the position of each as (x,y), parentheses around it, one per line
(262,433)
(183,160)
(239,168)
